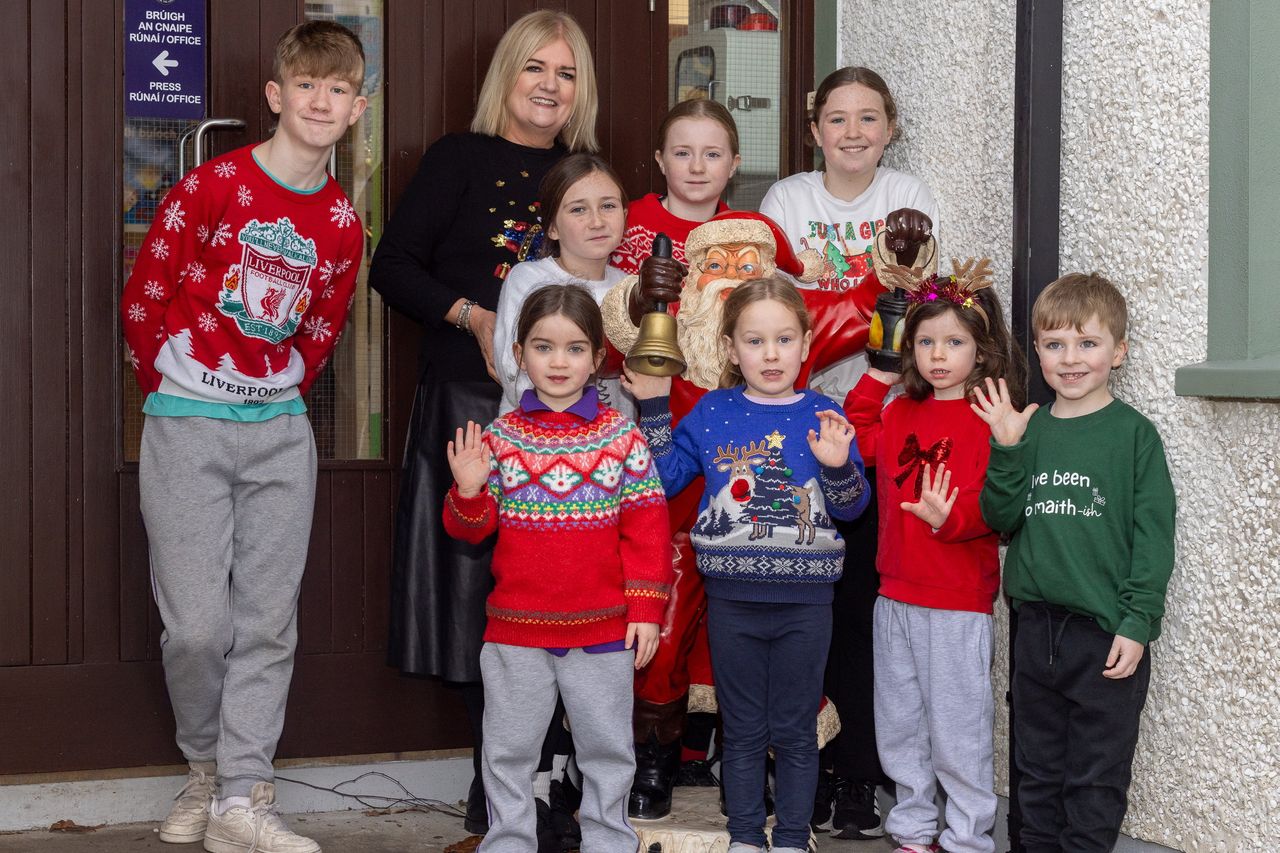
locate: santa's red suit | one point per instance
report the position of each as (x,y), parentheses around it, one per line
(679,677)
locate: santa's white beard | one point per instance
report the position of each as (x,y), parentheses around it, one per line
(698,332)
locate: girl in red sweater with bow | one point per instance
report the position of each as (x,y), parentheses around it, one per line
(937,558)
(582,572)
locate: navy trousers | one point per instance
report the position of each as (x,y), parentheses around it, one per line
(768,661)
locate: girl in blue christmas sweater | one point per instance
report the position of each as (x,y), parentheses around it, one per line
(779,464)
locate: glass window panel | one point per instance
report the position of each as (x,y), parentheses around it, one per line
(346,402)
(150,169)
(732,52)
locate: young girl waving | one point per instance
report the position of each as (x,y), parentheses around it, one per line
(585,208)
(698,154)
(838,212)
(779,464)
(581,568)
(938,565)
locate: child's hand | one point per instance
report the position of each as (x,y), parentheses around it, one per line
(934,505)
(644,637)
(1007,424)
(1124,657)
(644,387)
(469,460)
(884,376)
(830,446)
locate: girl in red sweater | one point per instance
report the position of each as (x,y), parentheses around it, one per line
(937,558)
(697,154)
(582,572)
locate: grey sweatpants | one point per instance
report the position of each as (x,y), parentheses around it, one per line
(934,717)
(519,698)
(228,511)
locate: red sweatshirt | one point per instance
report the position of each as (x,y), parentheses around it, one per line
(957,567)
(583,542)
(242,285)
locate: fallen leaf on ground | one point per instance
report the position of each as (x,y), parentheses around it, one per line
(72,826)
(466,845)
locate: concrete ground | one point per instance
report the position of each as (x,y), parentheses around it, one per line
(337,832)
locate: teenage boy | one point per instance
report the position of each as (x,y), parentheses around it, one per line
(1084,488)
(233,308)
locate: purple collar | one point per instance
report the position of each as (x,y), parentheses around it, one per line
(585,408)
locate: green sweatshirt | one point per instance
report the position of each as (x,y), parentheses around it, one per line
(1091,508)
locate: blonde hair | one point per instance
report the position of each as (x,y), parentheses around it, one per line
(1076,298)
(319,49)
(522,40)
(758,290)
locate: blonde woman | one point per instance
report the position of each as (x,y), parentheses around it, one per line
(469,216)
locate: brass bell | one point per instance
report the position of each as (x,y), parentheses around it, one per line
(655,352)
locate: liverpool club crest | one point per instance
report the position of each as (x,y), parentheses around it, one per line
(266,293)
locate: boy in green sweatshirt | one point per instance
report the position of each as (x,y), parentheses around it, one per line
(1083,487)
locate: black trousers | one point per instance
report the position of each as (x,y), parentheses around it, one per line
(850,673)
(1075,732)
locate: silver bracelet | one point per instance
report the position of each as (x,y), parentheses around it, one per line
(464,317)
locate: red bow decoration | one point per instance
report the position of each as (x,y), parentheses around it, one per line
(915,459)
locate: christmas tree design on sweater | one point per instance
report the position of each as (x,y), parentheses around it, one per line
(763,498)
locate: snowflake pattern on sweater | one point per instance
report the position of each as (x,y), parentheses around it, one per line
(646,218)
(583,540)
(225,302)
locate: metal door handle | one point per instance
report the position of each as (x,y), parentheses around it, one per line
(198,132)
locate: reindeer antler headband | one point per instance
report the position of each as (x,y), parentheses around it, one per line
(958,288)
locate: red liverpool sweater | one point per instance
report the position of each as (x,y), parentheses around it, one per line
(583,543)
(958,567)
(242,285)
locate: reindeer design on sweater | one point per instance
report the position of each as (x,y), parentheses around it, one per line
(741,463)
(803,498)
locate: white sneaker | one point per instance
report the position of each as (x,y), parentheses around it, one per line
(255,828)
(190,813)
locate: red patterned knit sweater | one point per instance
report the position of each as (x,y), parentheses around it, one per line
(646,218)
(583,543)
(242,285)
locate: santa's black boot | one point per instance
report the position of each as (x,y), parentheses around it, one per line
(658,729)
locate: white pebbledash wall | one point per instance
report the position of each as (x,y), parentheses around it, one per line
(1135,184)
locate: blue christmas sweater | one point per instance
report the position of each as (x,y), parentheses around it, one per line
(764,529)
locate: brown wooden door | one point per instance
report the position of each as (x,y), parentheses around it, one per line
(81,685)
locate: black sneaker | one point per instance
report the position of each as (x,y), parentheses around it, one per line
(565,799)
(696,774)
(857,814)
(548,841)
(822,800)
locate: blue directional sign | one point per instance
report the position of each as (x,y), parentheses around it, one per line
(164,58)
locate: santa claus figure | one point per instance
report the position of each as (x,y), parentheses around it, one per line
(733,247)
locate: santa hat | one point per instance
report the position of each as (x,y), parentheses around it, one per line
(745,226)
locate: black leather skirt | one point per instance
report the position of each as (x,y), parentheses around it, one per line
(438,584)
